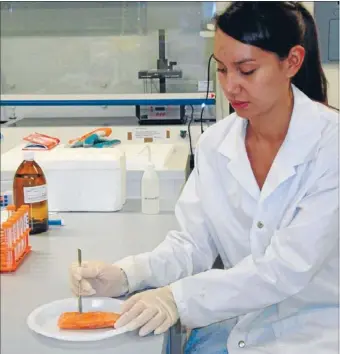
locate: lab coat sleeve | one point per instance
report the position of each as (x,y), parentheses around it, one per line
(182,253)
(296,253)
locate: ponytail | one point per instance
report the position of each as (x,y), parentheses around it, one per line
(311,78)
(277,27)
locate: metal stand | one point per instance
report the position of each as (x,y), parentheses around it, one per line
(164,69)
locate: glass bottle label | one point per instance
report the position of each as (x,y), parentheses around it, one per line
(35,194)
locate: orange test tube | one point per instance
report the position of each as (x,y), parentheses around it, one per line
(21,228)
(7,235)
(11,209)
(15,236)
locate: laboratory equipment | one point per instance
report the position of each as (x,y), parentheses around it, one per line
(164,69)
(14,239)
(80,302)
(56,222)
(30,188)
(54,219)
(123,175)
(161,114)
(150,188)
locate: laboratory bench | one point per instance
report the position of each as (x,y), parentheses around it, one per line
(128,121)
(43,278)
(72,122)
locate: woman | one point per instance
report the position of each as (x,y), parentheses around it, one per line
(263,195)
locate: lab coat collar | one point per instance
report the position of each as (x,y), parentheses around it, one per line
(233,147)
(303,134)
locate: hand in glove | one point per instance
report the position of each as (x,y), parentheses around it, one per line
(98,278)
(152,310)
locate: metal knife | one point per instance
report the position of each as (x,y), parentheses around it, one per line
(80,300)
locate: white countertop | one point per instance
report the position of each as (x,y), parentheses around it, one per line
(43,277)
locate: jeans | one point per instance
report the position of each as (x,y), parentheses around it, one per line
(208,340)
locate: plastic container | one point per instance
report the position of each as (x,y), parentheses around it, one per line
(29,188)
(150,188)
(123,176)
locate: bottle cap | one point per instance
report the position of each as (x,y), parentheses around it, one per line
(29,155)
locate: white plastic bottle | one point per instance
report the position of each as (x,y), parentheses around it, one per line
(123,175)
(150,189)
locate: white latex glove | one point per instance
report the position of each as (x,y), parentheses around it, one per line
(152,310)
(98,278)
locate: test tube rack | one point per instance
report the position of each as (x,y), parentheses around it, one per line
(14,238)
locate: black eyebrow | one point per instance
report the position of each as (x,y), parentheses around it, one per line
(245,60)
(214,56)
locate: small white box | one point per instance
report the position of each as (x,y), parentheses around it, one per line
(77,179)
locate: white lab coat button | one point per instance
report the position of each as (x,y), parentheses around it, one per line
(241,344)
(260,224)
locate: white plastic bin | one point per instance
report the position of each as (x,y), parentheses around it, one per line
(77,179)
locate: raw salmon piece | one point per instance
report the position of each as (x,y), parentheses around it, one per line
(87,320)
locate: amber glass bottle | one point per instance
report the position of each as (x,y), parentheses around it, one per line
(29,187)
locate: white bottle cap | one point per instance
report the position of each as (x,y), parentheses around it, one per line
(29,155)
(211,27)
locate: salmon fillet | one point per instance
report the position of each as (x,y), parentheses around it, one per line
(87,320)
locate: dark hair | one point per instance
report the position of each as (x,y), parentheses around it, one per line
(276,27)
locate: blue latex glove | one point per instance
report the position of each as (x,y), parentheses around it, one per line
(107,143)
(95,140)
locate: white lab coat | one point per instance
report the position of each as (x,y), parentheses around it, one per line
(279,245)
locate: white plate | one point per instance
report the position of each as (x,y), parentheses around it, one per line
(44,319)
